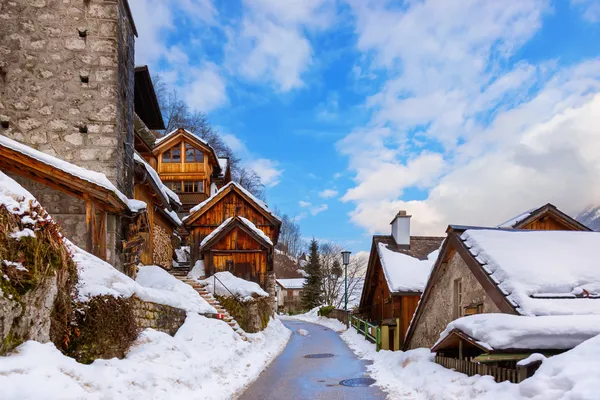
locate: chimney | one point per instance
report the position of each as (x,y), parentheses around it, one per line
(401,228)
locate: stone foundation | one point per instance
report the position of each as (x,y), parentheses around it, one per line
(252,316)
(158,317)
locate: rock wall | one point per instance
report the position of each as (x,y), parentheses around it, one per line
(438,311)
(252,316)
(66,88)
(158,317)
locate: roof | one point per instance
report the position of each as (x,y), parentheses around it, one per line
(291,283)
(402,272)
(145,101)
(505,332)
(199,209)
(540,272)
(525,218)
(62,175)
(420,246)
(164,141)
(229,224)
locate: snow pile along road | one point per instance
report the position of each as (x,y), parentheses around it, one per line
(227,284)
(205,360)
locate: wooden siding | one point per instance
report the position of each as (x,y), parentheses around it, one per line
(547,223)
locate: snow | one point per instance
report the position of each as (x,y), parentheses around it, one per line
(15,197)
(17,265)
(98,278)
(168,135)
(404,273)
(182,254)
(292,283)
(530,264)
(515,220)
(173,215)
(303,332)
(172,195)
(198,271)
(256,200)
(256,230)
(155,177)
(93,177)
(215,232)
(505,331)
(242,289)
(136,205)
(313,317)
(204,360)
(18,235)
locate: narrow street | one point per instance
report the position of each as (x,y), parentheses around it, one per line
(293,376)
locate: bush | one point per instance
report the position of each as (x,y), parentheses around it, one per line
(326,310)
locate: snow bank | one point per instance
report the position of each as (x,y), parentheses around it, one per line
(504,331)
(560,268)
(98,278)
(313,317)
(198,271)
(244,290)
(404,273)
(15,197)
(205,360)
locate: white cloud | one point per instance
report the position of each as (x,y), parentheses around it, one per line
(590,9)
(328,193)
(206,89)
(268,170)
(313,209)
(271,42)
(511,138)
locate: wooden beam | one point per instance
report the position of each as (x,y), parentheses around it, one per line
(89,225)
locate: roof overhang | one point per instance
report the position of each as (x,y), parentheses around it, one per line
(145,100)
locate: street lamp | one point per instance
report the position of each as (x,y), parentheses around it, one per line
(346,261)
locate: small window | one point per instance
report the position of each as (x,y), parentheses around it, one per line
(176,155)
(166,156)
(193,155)
(458,298)
(173,155)
(174,186)
(193,186)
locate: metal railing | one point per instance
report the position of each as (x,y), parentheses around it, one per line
(222,284)
(371,332)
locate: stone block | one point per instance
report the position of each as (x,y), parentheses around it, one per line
(104,11)
(75,44)
(103,45)
(28,124)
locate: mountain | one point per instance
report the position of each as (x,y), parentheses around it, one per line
(590,217)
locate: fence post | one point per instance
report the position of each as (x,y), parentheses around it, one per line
(378,338)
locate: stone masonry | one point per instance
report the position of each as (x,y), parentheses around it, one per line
(66,88)
(437,312)
(158,317)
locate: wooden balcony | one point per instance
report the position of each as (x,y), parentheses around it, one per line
(189,200)
(174,168)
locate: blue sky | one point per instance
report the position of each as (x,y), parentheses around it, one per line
(459,111)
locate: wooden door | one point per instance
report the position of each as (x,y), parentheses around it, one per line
(244,271)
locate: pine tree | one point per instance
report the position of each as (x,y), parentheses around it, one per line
(312,295)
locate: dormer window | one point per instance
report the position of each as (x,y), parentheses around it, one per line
(193,155)
(173,155)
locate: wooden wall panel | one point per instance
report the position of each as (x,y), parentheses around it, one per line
(143,193)
(547,223)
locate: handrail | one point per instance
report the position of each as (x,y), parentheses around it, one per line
(366,329)
(215,289)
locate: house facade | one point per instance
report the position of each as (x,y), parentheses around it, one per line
(396,274)
(463,281)
(289,294)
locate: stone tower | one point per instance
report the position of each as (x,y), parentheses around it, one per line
(66,88)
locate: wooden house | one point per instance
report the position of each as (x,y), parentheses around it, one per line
(189,166)
(396,274)
(101,201)
(234,231)
(546,217)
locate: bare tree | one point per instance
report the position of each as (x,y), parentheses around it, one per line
(290,237)
(250,181)
(333,275)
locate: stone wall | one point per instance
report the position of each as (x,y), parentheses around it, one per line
(438,312)
(66,88)
(252,316)
(158,317)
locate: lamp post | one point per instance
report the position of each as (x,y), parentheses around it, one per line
(346,261)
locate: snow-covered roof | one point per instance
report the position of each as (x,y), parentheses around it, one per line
(541,272)
(244,290)
(402,272)
(245,221)
(256,200)
(154,176)
(173,215)
(168,135)
(93,177)
(511,223)
(172,195)
(292,283)
(506,331)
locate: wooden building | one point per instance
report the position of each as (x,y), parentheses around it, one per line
(547,218)
(396,275)
(234,231)
(189,166)
(289,294)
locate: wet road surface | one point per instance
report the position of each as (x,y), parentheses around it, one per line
(292,376)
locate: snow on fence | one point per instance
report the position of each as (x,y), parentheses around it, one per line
(471,368)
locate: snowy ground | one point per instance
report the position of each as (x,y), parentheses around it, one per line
(205,360)
(413,375)
(313,317)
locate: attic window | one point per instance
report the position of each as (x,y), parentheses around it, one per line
(193,155)
(172,155)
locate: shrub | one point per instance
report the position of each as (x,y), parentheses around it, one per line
(326,310)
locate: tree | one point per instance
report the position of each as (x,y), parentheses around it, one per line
(333,273)
(250,180)
(312,290)
(290,236)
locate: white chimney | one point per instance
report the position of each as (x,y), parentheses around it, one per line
(401,228)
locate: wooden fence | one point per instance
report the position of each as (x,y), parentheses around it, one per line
(341,315)
(471,368)
(371,332)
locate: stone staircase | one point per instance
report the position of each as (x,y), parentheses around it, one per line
(181,273)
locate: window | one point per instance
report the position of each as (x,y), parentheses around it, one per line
(193,155)
(173,155)
(174,186)
(193,186)
(458,298)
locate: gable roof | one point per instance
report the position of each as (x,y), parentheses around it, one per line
(526,272)
(525,218)
(201,208)
(400,262)
(167,140)
(229,224)
(291,283)
(62,175)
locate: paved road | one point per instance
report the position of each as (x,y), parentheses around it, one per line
(292,376)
